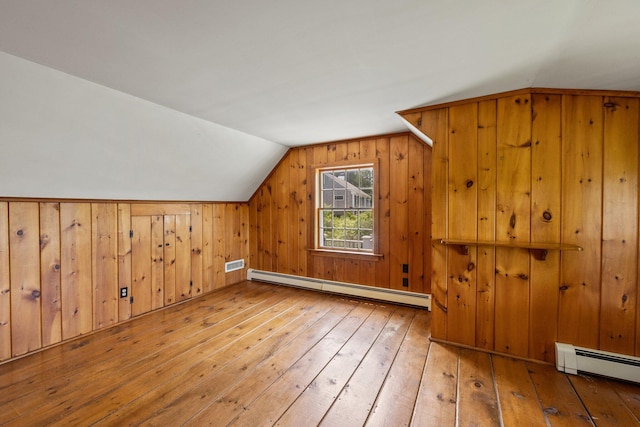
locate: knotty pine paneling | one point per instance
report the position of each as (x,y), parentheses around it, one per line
(157,261)
(462,199)
(546,167)
(50,273)
(141,261)
(284,214)
(580,287)
(552,166)
(25,277)
(169,259)
(105,263)
(76,275)
(124,259)
(486,223)
(513,206)
(62,264)
(196,249)
(5,291)
(619,225)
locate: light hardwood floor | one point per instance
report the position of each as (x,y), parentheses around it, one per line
(258,354)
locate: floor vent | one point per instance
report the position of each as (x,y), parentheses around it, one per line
(234,265)
(382,294)
(571,359)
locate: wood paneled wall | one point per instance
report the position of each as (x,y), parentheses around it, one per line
(62,264)
(536,165)
(282,214)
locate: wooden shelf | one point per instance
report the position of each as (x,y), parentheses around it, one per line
(539,250)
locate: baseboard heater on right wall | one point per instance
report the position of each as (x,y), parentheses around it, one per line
(571,359)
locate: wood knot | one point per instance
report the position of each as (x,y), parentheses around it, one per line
(546,215)
(20,232)
(471,266)
(469,183)
(35,294)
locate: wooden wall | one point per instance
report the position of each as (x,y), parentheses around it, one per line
(62,264)
(536,166)
(282,214)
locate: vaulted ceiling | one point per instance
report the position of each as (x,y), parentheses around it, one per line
(291,72)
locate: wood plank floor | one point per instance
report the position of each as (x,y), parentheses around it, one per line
(257,354)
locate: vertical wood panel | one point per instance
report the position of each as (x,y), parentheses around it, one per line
(399,195)
(157,261)
(50,273)
(208,245)
(486,220)
(462,211)
(124,258)
(219,245)
(353,151)
(546,166)
(367,269)
(169,259)
(304,221)
(104,228)
(619,226)
(75,223)
(579,306)
(384,212)
(416,217)
(294,195)
(141,282)
(268,230)
(24,253)
(196,249)
(183,257)
(282,215)
(513,203)
(322,266)
(427,207)
(244,240)
(5,285)
(435,125)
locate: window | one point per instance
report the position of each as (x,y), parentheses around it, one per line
(344,203)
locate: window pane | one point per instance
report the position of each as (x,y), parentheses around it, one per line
(327,198)
(345,208)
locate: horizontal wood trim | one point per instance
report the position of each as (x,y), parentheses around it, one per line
(345,141)
(143,209)
(346,254)
(518,245)
(526,91)
(130,201)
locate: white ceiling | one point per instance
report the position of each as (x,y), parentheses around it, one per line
(295,72)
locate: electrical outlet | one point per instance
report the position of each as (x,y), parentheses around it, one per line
(124,292)
(405,268)
(405,282)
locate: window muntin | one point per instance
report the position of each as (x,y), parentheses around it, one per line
(345,208)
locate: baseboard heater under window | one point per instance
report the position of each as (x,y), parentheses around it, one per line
(571,359)
(382,294)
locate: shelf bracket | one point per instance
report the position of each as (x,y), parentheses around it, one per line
(462,249)
(539,254)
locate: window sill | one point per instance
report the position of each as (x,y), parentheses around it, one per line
(365,256)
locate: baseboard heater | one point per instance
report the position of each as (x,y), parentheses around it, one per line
(571,359)
(382,294)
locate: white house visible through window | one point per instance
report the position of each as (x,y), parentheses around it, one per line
(345,208)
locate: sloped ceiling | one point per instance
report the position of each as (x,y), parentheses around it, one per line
(294,72)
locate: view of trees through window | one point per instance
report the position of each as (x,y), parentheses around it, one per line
(346,208)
